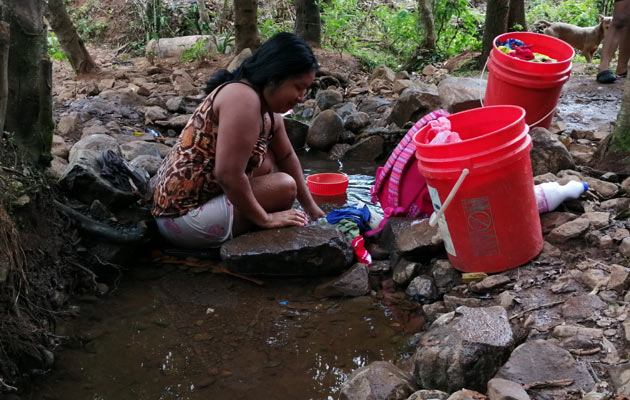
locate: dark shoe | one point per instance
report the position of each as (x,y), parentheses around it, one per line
(623,75)
(606,77)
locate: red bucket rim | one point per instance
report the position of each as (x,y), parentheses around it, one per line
(518,35)
(486,109)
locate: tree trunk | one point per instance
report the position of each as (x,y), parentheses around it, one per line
(69,39)
(308,24)
(614,153)
(496,24)
(425,12)
(204,18)
(517,15)
(245,20)
(29,113)
(4,78)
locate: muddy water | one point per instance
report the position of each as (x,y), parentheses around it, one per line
(174,332)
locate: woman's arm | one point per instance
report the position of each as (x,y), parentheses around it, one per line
(287,161)
(238,109)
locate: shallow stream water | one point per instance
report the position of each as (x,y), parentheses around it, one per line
(174,332)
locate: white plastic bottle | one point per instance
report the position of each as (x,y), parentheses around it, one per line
(550,195)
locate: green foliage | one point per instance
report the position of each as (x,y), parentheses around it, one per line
(54,48)
(577,12)
(198,52)
(390,33)
(223,43)
(268,27)
(82,17)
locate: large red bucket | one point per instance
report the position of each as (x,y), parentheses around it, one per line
(534,86)
(492,223)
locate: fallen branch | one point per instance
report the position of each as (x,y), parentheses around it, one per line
(216,268)
(8,387)
(586,352)
(520,314)
(547,384)
(89,225)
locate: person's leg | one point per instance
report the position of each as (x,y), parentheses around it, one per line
(275,191)
(624,40)
(611,41)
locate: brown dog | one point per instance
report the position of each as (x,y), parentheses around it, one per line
(585,39)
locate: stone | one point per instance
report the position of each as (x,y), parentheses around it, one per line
(59,147)
(404,271)
(324,131)
(582,307)
(352,283)
(148,163)
(357,121)
(502,389)
(68,125)
(154,113)
(428,395)
(548,153)
(620,377)
(539,360)
(295,251)
(569,230)
(466,394)
(422,288)
(489,283)
(460,94)
(175,104)
(625,185)
(57,167)
(616,205)
(413,103)
(97,143)
(594,278)
(402,84)
(506,300)
(606,190)
(296,131)
(96,129)
(411,238)
(239,58)
(433,310)
(551,220)
(368,149)
(453,302)
(378,380)
(327,99)
(624,247)
(133,149)
(444,275)
(619,278)
(597,219)
(383,72)
(464,352)
(175,46)
(178,122)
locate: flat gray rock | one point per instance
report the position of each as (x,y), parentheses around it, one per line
(296,251)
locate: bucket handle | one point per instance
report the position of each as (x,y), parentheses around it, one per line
(483,70)
(436,216)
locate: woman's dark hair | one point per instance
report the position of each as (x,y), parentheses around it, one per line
(282,56)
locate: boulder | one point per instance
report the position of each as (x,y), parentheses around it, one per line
(378,380)
(296,251)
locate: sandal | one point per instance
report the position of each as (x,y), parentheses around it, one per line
(623,75)
(606,77)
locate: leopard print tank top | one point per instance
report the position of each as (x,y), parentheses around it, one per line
(185,179)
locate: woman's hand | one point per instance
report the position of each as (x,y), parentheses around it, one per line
(315,212)
(284,218)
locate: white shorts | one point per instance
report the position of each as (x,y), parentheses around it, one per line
(206,226)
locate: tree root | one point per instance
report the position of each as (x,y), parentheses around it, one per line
(96,228)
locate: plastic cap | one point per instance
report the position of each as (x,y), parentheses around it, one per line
(585,186)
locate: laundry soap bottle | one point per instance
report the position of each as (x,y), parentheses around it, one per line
(550,195)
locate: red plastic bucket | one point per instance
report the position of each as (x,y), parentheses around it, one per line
(492,223)
(534,86)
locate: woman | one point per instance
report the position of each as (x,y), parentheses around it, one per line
(233,167)
(618,35)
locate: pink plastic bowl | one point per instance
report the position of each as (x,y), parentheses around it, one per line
(327,184)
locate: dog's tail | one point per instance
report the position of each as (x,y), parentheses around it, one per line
(540,25)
